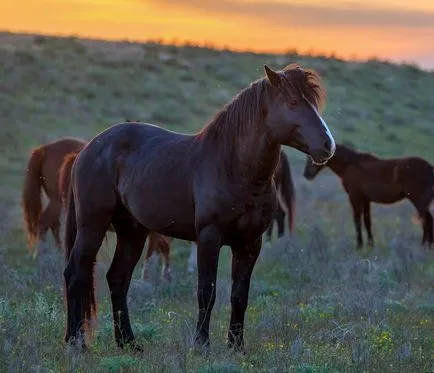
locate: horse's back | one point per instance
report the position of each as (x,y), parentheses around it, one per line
(416,173)
(55,152)
(143,167)
(391,179)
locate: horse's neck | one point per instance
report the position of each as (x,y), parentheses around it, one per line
(251,160)
(341,161)
(338,165)
(256,160)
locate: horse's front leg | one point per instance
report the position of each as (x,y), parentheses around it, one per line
(243,262)
(208,250)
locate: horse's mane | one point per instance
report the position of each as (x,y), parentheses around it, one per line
(241,113)
(244,112)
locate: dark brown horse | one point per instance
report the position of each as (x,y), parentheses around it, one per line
(156,243)
(285,197)
(367,178)
(215,188)
(42,173)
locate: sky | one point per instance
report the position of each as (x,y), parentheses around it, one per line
(396,30)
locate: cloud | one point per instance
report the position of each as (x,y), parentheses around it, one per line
(296,14)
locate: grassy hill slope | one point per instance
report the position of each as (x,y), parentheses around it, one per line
(315,304)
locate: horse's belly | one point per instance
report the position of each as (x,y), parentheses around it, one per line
(163,211)
(180,230)
(384,194)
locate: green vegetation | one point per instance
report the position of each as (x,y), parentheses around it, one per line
(316,304)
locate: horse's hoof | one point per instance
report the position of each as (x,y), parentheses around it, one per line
(202,346)
(236,344)
(236,348)
(131,345)
(167,277)
(76,345)
(134,347)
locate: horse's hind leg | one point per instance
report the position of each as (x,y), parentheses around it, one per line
(149,251)
(270,230)
(422,203)
(130,241)
(367,221)
(192,259)
(79,278)
(55,229)
(50,219)
(164,249)
(280,217)
(357,205)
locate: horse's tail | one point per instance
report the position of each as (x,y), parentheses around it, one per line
(71,223)
(286,193)
(65,177)
(88,299)
(31,195)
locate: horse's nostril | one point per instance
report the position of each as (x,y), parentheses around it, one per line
(328,145)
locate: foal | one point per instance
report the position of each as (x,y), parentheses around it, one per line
(367,178)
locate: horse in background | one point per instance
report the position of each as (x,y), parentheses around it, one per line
(367,178)
(156,243)
(214,187)
(285,192)
(42,174)
(285,196)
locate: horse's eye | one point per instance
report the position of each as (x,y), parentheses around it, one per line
(293,102)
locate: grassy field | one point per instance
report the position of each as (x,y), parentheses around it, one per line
(316,305)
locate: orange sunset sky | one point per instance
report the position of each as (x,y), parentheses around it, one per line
(398,30)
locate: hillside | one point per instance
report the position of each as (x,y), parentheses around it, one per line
(54,87)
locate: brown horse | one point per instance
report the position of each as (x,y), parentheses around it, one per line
(42,173)
(214,187)
(367,178)
(156,243)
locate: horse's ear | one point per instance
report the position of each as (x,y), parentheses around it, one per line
(272,76)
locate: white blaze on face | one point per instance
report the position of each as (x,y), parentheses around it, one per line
(329,134)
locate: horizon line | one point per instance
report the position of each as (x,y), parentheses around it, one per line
(221,48)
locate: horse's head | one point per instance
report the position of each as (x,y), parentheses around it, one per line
(311,169)
(292,115)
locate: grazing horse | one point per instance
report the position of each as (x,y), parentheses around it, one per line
(214,187)
(367,178)
(42,173)
(157,243)
(286,205)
